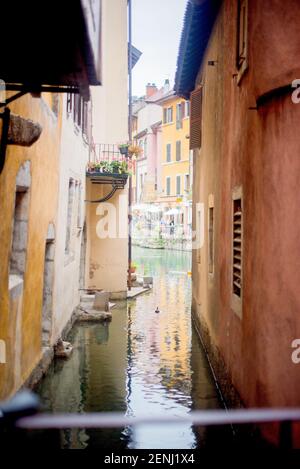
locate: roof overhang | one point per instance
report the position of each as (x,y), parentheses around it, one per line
(168,97)
(53,43)
(199,19)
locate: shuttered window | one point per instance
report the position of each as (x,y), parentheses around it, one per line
(196,119)
(211,240)
(237,248)
(168,152)
(178,116)
(242,32)
(168,186)
(168,115)
(178,150)
(178,185)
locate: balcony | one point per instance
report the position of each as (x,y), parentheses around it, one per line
(108,164)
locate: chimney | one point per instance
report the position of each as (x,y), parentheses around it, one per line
(151,89)
(167,86)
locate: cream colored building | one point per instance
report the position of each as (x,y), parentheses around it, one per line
(107,256)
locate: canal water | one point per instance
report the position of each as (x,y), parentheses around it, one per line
(141,362)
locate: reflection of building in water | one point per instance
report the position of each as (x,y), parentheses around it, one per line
(93,379)
(165,350)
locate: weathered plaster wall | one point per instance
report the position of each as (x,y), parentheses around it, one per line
(255,149)
(72,162)
(23,336)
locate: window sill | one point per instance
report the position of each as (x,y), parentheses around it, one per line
(236,305)
(241,73)
(15,286)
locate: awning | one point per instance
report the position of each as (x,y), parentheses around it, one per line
(50,43)
(173,211)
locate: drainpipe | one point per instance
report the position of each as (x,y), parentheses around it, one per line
(130,140)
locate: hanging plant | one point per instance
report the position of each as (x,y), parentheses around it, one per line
(134,150)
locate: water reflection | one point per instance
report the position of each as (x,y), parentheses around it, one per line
(141,362)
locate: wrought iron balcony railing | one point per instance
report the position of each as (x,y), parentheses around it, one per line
(105,152)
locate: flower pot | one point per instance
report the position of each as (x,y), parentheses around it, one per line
(132,270)
(124,150)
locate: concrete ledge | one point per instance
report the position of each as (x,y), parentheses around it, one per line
(94,315)
(120,295)
(136,291)
(40,370)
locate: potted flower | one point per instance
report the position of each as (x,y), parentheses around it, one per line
(133,268)
(115,167)
(123,148)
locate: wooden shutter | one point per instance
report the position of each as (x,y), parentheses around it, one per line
(237,247)
(178,185)
(168,152)
(196,119)
(178,150)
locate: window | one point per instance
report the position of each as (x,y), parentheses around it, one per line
(145,147)
(237,251)
(69,215)
(79,207)
(187,108)
(242,38)
(183,110)
(178,116)
(178,185)
(78,109)
(237,248)
(178,150)
(168,186)
(186,182)
(20,222)
(199,230)
(168,115)
(168,152)
(196,119)
(211,240)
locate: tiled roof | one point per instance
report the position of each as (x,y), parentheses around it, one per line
(198,23)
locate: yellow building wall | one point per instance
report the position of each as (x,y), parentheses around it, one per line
(23,355)
(170,135)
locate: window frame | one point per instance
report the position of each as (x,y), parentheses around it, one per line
(178,178)
(168,192)
(168,146)
(237,301)
(242,39)
(178,152)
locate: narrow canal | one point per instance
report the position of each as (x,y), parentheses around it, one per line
(142,361)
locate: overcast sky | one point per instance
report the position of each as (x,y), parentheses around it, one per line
(157,26)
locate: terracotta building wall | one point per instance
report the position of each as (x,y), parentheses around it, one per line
(258,150)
